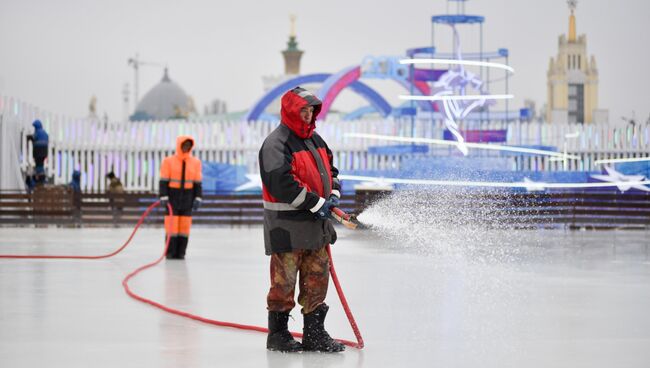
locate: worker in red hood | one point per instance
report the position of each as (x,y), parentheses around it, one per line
(180,186)
(299,187)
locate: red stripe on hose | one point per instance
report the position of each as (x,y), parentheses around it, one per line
(125,283)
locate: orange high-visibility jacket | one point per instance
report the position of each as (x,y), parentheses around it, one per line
(180,178)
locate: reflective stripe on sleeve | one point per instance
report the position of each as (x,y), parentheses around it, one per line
(318,205)
(300,199)
(278,206)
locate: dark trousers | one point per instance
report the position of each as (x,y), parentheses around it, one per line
(40,170)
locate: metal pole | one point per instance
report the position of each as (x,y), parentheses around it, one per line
(481,69)
(136,76)
(430,83)
(481,49)
(507,89)
(136,84)
(412,72)
(487,70)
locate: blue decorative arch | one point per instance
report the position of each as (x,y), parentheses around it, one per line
(258,108)
(375,99)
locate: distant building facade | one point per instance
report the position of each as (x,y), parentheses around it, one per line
(216,107)
(572,80)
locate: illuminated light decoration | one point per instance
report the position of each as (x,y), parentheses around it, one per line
(533,186)
(623,182)
(619,160)
(459,62)
(58,164)
(458,79)
(563,158)
(456,98)
(472,145)
(490,184)
(90,177)
(131,169)
(572,135)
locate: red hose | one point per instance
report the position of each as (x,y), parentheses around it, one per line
(125,284)
(346,307)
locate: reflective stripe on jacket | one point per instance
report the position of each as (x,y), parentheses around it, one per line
(180,178)
(298,174)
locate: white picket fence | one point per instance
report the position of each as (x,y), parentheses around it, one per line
(134,150)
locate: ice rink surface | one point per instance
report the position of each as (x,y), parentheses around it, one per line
(518,298)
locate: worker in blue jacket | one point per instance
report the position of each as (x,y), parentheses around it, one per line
(40,141)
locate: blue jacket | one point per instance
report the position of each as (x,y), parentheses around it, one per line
(75,184)
(41,139)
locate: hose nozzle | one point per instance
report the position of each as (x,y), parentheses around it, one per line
(349,221)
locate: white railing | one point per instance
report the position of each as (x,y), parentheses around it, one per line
(134,150)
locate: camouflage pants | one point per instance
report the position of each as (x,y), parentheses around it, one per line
(313,267)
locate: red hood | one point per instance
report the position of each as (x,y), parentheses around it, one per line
(292,102)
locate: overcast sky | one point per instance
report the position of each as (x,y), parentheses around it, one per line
(57,54)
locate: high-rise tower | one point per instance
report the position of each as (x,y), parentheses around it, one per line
(573,80)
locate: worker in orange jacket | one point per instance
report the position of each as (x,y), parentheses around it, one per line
(180,186)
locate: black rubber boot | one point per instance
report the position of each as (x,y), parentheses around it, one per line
(181,247)
(315,337)
(172,250)
(279,338)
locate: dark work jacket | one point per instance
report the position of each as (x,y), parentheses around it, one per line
(298,174)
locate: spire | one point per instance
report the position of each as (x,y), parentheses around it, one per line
(292,54)
(292,44)
(292,18)
(572,20)
(166,76)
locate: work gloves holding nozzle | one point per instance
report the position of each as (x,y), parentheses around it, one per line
(325,211)
(335,200)
(164,201)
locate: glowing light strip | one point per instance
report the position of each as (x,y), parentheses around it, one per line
(556,159)
(615,160)
(456,97)
(473,145)
(492,184)
(458,62)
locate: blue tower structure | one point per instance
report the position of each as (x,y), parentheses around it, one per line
(421,83)
(462,19)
